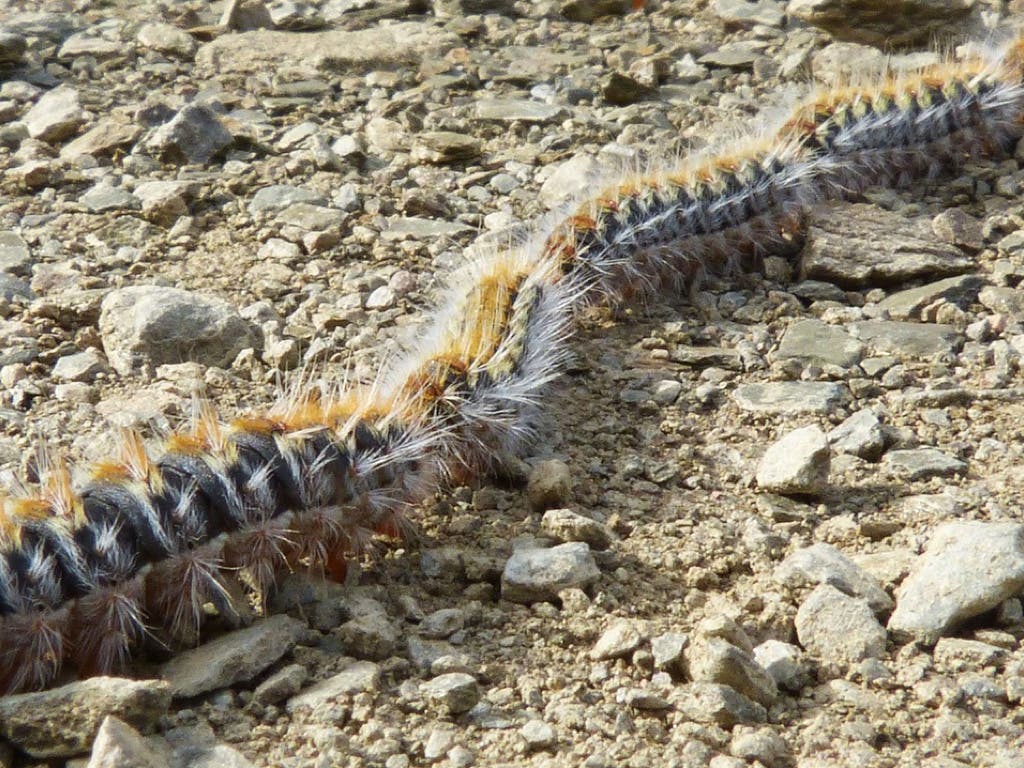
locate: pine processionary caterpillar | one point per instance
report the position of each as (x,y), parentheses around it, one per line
(85,571)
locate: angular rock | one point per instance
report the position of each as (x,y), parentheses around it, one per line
(836,627)
(81,366)
(272,200)
(968,568)
(668,651)
(195,135)
(783,662)
(103,198)
(824,564)
(907,340)
(538,735)
(843,247)
(861,434)
(56,116)
(519,110)
(442,623)
(566,525)
(907,305)
(716,660)
(457,692)
(12,47)
(620,639)
(164,202)
(103,139)
(357,677)
(797,463)
(571,179)
(718,704)
(884,24)
(920,463)
(813,342)
(238,656)
(549,485)
(377,47)
(283,684)
(587,11)
(118,745)
(64,721)
(15,257)
(791,398)
(166,38)
(153,325)
(533,575)
(746,14)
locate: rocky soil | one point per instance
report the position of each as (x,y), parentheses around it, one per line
(777,525)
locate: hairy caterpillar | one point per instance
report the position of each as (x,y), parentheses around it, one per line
(86,571)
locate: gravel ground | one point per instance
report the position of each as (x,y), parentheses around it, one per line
(773,524)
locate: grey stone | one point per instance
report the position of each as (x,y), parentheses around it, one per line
(737,55)
(358,677)
(312,218)
(758,745)
(668,651)
(81,366)
(641,698)
(907,340)
(56,116)
(549,485)
(64,721)
(813,342)
(12,47)
(907,305)
(442,623)
(532,575)
(666,391)
(197,747)
(155,325)
(238,656)
(622,90)
(843,247)
(286,14)
(377,47)
(103,197)
(271,200)
(883,24)
(836,627)
(538,735)
(716,660)
(444,147)
(703,357)
(195,135)
(167,38)
(457,692)
(103,139)
(861,434)
(87,44)
(620,639)
(413,227)
(370,634)
(164,202)
(1007,301)
(15,256)
(718,704)
(565,525)
(50,26)
(381,298)
(118,745)
(797,463)
(824,564)
(281,685)
(519,110)
(742,13)
(783,662)
(790,398)
(921,463)
(968,568)
(570,179)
